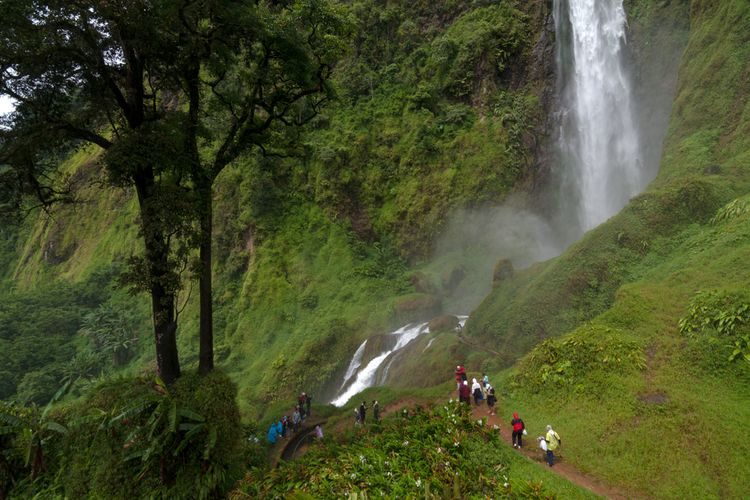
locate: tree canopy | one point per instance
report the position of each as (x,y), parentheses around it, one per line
(172,91)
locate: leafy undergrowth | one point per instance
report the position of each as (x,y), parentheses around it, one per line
(129,438)
(432,453)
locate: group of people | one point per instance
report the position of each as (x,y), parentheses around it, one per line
(548,443)
(360,413)
(484,391)
(479,391)
(285,425)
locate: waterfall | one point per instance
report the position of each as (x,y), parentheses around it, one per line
(366,376)
(355,363)
(598,139)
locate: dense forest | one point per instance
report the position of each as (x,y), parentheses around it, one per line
(208,208)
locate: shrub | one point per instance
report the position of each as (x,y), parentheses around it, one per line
(136,438)
(720,316)
(572,361)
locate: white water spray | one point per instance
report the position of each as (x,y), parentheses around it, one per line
(366,376)
(598,138)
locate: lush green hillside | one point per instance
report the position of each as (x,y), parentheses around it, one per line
(648,401)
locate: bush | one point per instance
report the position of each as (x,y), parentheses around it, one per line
(572,361)
(720,316)
(135,438)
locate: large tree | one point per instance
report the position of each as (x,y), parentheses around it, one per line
(173,91)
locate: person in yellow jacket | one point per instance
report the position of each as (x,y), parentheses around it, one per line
(553,442)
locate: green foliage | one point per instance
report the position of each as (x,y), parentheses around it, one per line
(440,452)
(731,210)
(569,365)
(27,435)
(38,334)
(720,316)
(132,438)
(438,101)
(112,332)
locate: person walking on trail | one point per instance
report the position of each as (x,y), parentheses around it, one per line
(476,389)
(460,375)
(301,403)
(485,380)
(491,400)
(375,411)
(284,425)
(296,418)
(464,393)
(308,402)
(553,442)
(518,428)
(362,412)
(272,436)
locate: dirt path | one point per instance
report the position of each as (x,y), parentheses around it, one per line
(531,450)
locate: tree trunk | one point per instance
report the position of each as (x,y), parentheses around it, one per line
(206,354)
(162,294)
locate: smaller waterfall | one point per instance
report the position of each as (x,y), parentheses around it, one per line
(354,364)
(366,377)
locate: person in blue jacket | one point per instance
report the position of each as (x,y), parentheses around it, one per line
(272,434)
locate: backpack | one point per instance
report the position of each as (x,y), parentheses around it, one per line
(517,425)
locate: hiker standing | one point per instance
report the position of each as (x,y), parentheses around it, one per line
(301,403)
(518,427)
(362,412)
(271,435)
(308,402)
(296,418)
(485,380)
(375,411)
(464,393)
(476,389)
(553,442)
(284,425)
(491,400)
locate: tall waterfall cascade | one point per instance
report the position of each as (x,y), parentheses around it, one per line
(598,139)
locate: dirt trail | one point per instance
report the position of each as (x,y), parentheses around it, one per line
(531,450)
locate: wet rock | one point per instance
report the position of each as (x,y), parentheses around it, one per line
(452,278)
(415,306)
(503,271)
(421,283)
(443,323)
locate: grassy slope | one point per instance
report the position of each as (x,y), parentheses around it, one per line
(675,426)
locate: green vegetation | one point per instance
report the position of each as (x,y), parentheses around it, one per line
(633,343)
(433,453)
(128,438)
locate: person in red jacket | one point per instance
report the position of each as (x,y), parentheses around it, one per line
(460,375)
(518,427)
